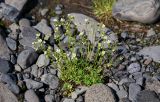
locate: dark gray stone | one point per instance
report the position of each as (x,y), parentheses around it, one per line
(8,12)
(144,11)
(5,66)
(12,44)
(49,98)
(14,88)
(4,52)
(26,58)
(28,35)
(134,67)
(30,96)
(134,89)
(147,96)
(50,80)
(18,4)
(31,84)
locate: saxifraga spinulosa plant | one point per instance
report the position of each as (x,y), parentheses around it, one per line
(80,62)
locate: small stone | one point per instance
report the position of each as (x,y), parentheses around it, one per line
(152,85)
(5,66)
(24,22)
(126,80)
(26,58)
(113,86)
(80,99)
(140,81)
(43,27)
(122,94)
(12,44)
(147,96)
(31,96)
(44,11)
(14,27)
(34,71)
(124,100)
(49,98)
(13,59)
(68,100)
(13,87)
(150,32)
(16,3)
(134,67)
(31,84)
(50,80)
(134,89)
(99,93)
(17,68)
(148,61)
(42,61)
(124,35)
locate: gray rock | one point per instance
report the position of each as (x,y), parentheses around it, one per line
(43,27)
(28,36)
(17,68)
(122,94)
(18,4)
(8,12)
(26,58)
(83,26)
(80,99)
(150,32)
(31,84)
(147,96)
(11,84)
(49,98)
(153,85)
(126,80)
(44,11)
(78,91)
(113,86)
(30,96)
(24,23)
(99,93)
(140,81)
(5,93)
(144,11)
(50,80)
(42,61)
(68,100)
(5,66)
(134,89)
(12,44)
(152,51)
(34,71)
(13,59)
(134,67)
(124,100)
(14,27)
(4,52)
(13,87)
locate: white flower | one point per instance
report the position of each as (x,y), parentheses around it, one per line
(103,26)
(45,52)
(73,55)
(62,20)
(39,40)
(81,33)
(56,28)
(108,41)
(58,50)
(103,52)
(38,34)
(86,20)
(105,37)
(55,20)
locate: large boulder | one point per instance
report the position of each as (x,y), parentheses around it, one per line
(144,11)
(152,51)
(99,93)
(6,95)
